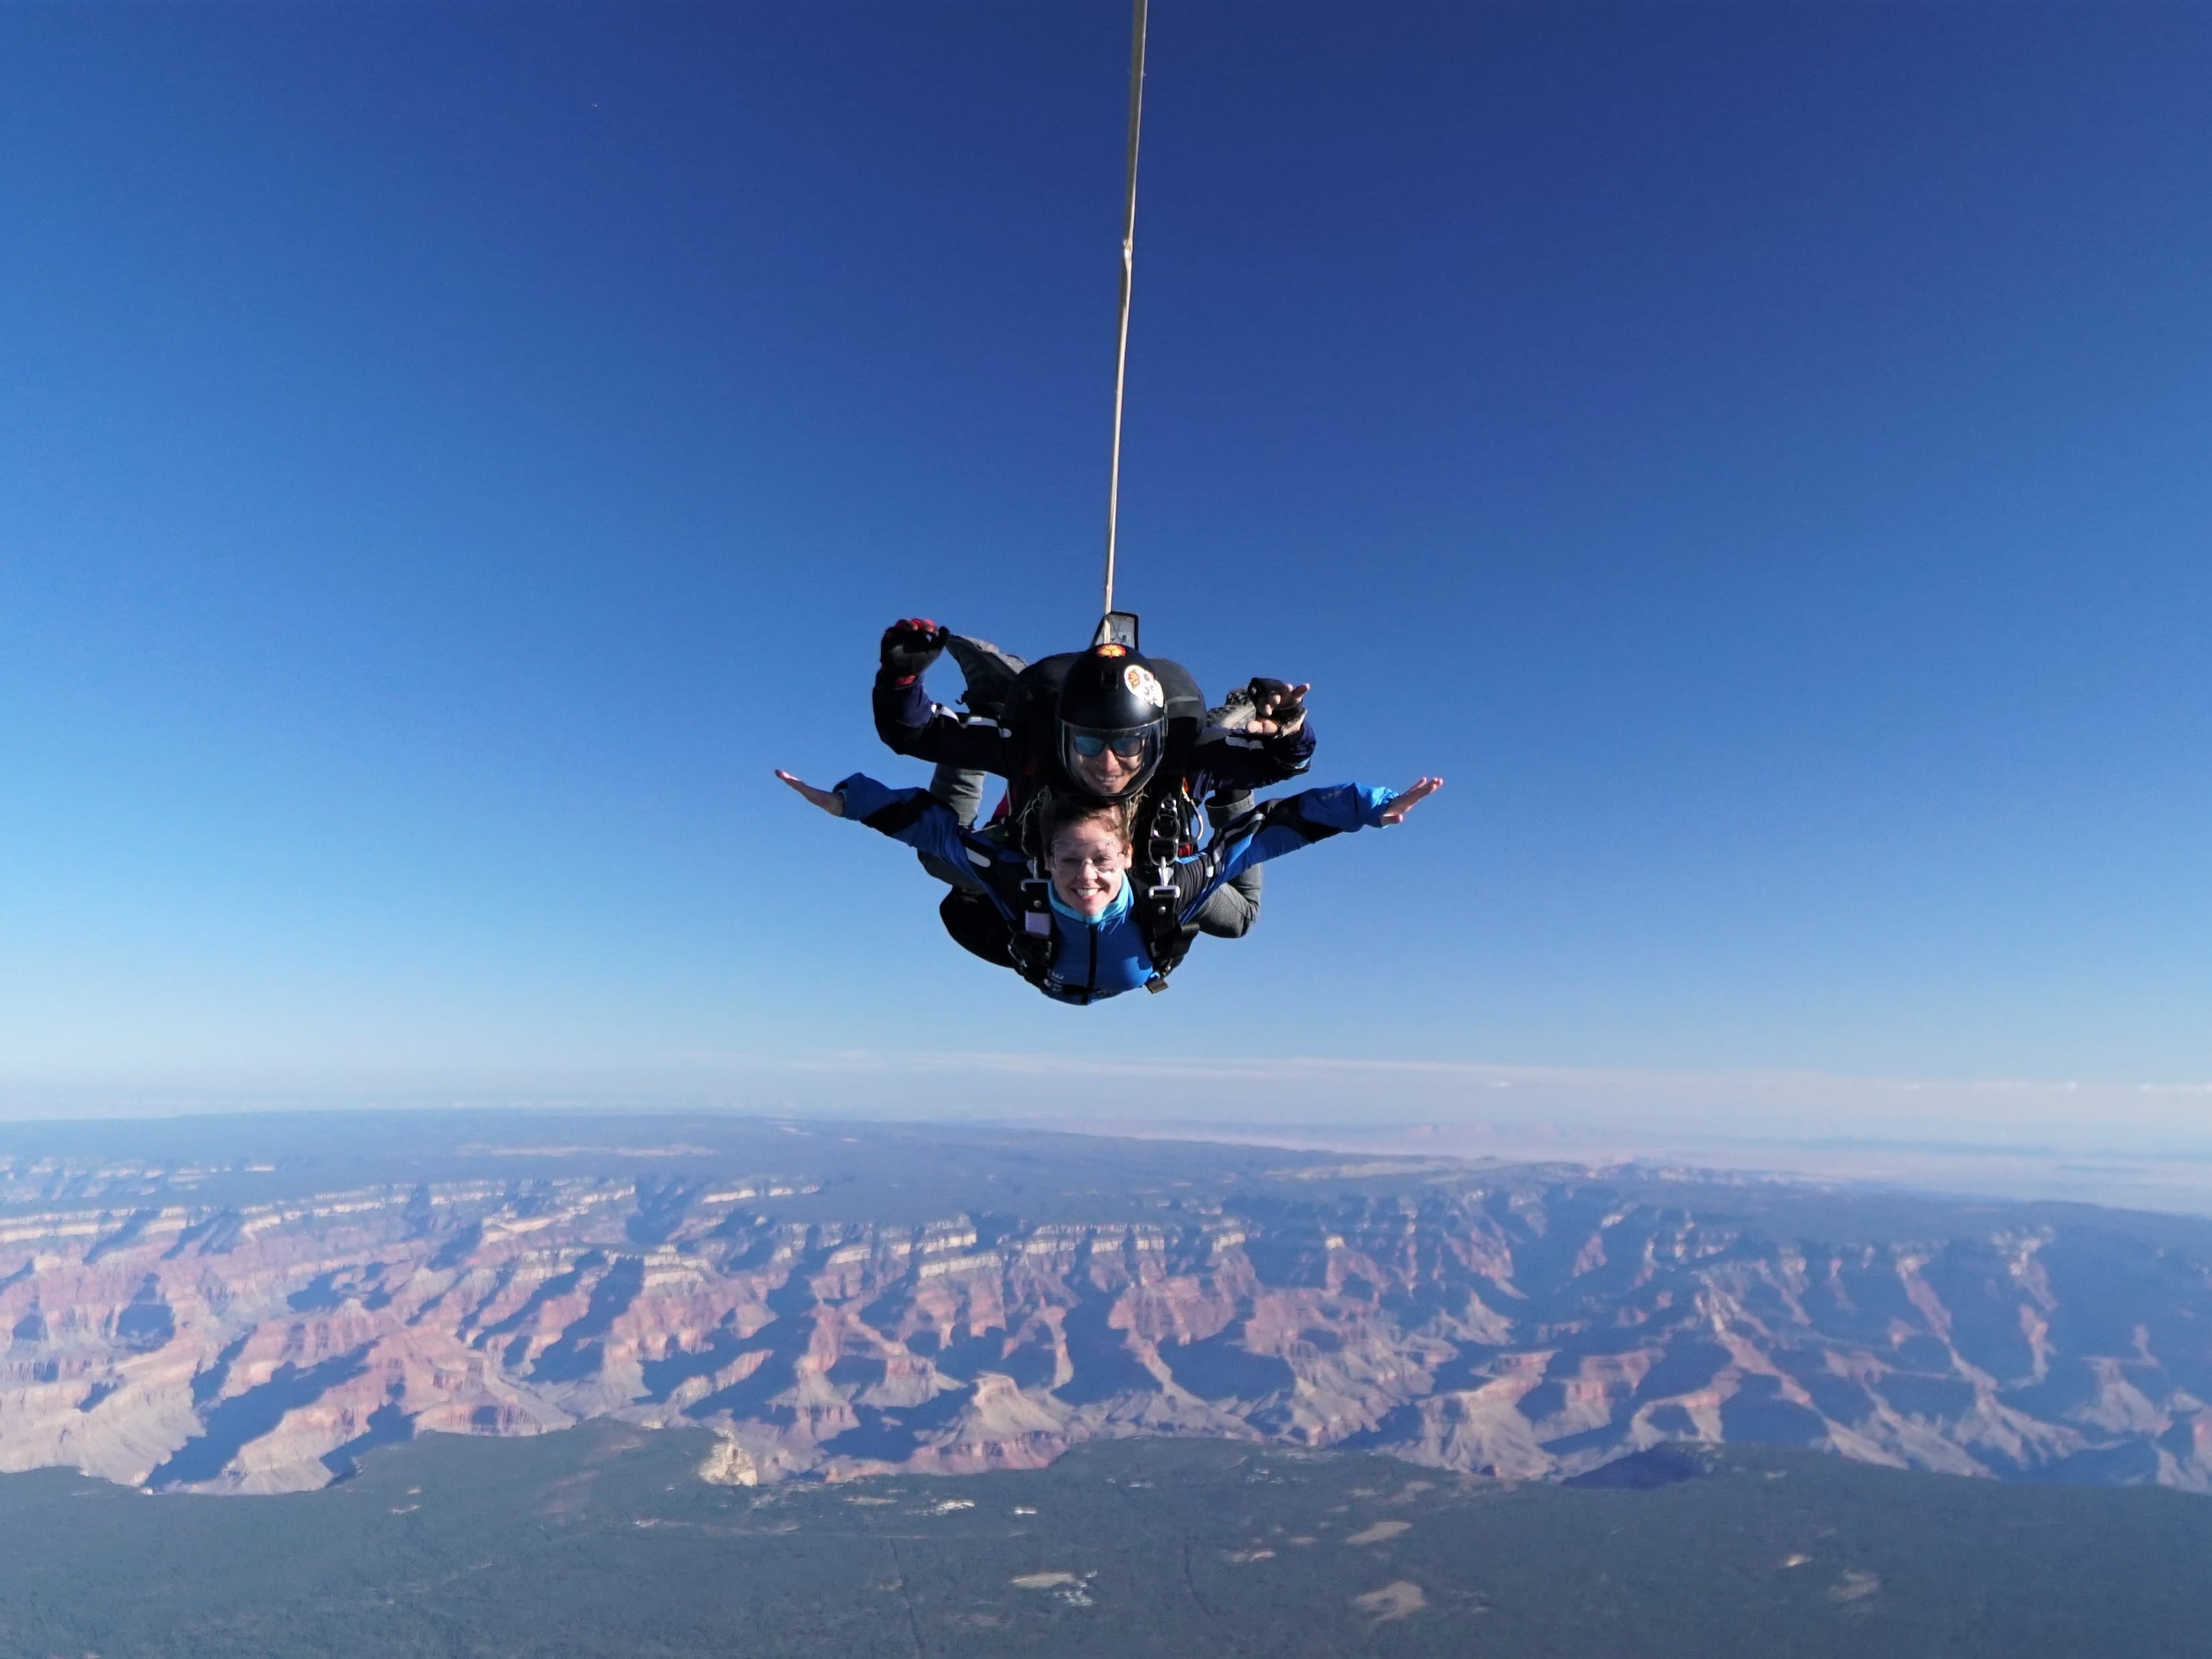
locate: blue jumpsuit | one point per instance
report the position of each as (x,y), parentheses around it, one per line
(1106,957)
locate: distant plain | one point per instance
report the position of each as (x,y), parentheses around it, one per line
(604,1540)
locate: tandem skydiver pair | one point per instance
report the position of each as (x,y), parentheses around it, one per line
(1093,877)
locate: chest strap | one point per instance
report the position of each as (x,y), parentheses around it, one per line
(1033,942)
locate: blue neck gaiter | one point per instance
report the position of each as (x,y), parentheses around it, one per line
(1118,907)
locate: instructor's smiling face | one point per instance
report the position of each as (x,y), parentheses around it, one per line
(1088,865)
(1106,773)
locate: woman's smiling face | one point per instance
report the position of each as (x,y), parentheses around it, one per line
(1088,864)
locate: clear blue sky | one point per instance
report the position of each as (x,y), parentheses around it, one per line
(1761,455)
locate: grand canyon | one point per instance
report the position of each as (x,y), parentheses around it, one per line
(834,1303)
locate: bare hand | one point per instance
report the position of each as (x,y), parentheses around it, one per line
(828,799)
(1408,798)
(1264,723)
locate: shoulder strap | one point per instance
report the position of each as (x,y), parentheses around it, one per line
(1033,942)
(1158,902)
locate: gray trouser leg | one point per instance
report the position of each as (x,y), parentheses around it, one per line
(960,790)
(1234,907)
(963,792)
(1231,911)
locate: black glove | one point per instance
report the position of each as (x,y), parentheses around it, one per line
(1288,710)
(911,645)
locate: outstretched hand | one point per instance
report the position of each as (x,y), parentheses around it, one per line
(1401,802)
(1278,709)
(828,799)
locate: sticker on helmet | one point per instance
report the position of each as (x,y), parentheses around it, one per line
(1144,685)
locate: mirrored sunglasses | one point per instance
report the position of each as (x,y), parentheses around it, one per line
(1128,744)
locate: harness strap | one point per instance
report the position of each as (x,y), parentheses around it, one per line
(1158,904)
(1034,943)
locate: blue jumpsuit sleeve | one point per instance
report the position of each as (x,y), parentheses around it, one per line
(909,816)
(1284,826)
(910,724)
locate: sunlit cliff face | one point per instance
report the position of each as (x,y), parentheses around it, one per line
(1088,865)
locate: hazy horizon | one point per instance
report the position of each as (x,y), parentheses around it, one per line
(2128,1147)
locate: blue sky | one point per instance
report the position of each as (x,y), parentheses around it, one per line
(447,457)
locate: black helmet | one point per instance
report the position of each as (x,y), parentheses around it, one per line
(1111,698)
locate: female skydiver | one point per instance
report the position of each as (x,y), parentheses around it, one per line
(1081,933)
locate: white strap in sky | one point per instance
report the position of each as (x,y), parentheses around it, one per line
(1129,261)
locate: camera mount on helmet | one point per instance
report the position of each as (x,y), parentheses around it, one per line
(1118,628)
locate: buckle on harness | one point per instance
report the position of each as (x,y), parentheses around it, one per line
(1036,906)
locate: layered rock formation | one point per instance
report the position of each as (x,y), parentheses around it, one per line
(1522,1323)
